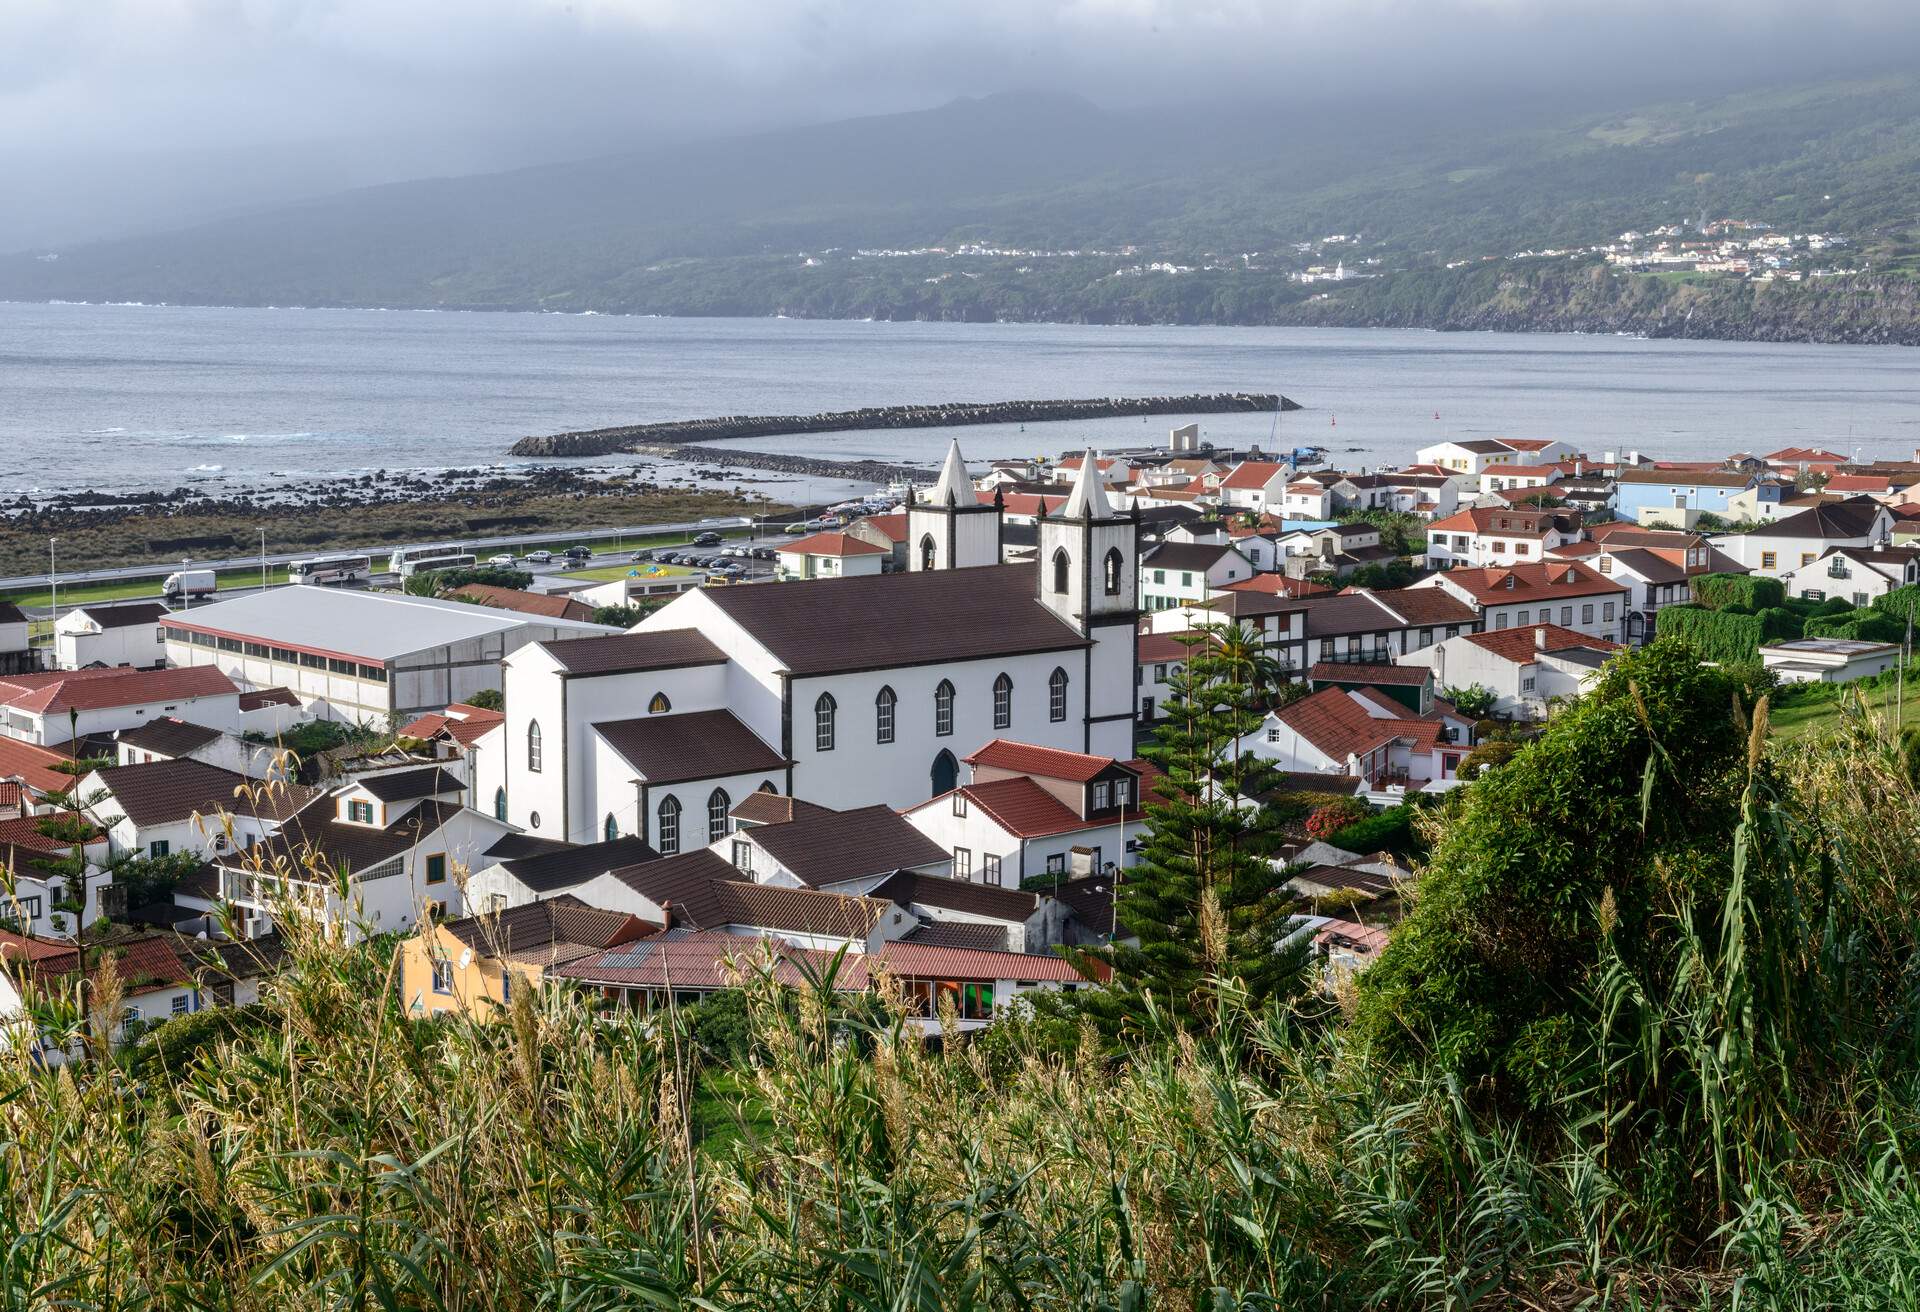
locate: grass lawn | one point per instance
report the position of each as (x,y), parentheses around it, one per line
(1794,721)
(609,573)
(138,589)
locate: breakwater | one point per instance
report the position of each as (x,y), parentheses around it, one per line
(610,441)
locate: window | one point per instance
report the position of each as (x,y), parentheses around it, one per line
(1061,565)
(1519,548)
(962,863)
(179,1004)
(254,648)
(374,673)
(611,828)
(437,868)
(1113,567)
(1606,564)
(499,804)
(927,551)
(823,722)
(533,819)
(1102,796)
(659,705)
(1500,620)
(533,746)
(159,847)
(990,868)
(669,813)
(959,803)
(506,983)
(1159,576)
(1160,672)
(718,804)
(1122,791)
(1586,613)
(337,666)
(743,856)
(443,977)
(1326,649)
(883,704)
(1566,615)
(1768,560)
(360,813)
(1526,684)
(1606,611)
(1057,863)
(1057,695)
(1273,733)
(1806,558)
(1002,702)
(1522,620)
(943,709)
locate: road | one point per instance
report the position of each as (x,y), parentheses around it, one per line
(71,578)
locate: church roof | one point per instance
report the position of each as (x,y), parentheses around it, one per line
(671,749)
(1088,500)
(878,621)
(954,481)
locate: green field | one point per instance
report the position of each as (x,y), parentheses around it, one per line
(610,573)
(1798,719)
(136,589)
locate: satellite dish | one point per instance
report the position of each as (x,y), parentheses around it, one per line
(466,958)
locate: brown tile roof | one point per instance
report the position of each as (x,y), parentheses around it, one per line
(961,934)
(1195,557)
(1497,519)
(1852,518)
(33,766)
(1496,585)
(161,792)
(630,653)
(1687,477)
(831,847)
(87,690)
(552,605)
(932,961)
(536,929)
(125,615)
(1522,646)
(1339,726)
(1336,672)
(168,736)
(409,785)
(760,808)
(832,544)
(569,867)
(831,626)
(1047,762)
(1156,647)
(316,835)
(689,745)
(701,890)
(23,832)
(1423,606)
(265,697)
(1483,446)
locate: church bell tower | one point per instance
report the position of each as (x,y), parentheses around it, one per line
(1089,575)
(953,528)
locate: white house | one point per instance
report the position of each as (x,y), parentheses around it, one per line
(843,692)
(15,646)
(172,739)
(1257,485)
(1572,595)
(124,634)
(167,807)
(1855,574)
(1527,670)
(1468,459)
(1366,735)
(1780,546)
(1828,660)
(1026,809)
(53,708)
(1505,535)
(1176,574)
(829,556)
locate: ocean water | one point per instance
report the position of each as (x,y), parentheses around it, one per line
(122,397)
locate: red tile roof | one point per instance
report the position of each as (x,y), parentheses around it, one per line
(1339,726)
(1026,810)
(1155,647)
(934,961)
(1496,585)
(1278,585)
(265,697)
(1522,646)
(24,832)
(1858,483)
(1808,454)
(33,766)
(86,690)
(551,605)
(1336,672)
(1252,474)
(1047,762)
(1494,519)
(460,722)
(832,544)
(1527,443)
(891,527)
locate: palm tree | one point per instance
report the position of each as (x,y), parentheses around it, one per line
(1245,657)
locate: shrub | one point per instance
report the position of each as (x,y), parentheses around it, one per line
(1336,815)
(1389,831)
(1714,635)
(1901,603)
(1862,625)
(1473,701)
(1754,592)
(489,699)
(1489,754)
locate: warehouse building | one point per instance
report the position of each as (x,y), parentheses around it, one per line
(360,656)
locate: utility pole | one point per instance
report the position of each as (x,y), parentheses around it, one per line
(263,560)
(53,600)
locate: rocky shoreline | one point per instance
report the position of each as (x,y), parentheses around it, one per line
(657,438)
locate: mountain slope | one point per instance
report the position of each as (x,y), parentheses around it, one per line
(1223,195)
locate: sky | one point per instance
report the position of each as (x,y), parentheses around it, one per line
(124,115)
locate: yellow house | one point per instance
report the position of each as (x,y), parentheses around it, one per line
(473,965)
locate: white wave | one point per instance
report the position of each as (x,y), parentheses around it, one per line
(100,432)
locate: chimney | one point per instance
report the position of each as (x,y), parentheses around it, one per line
(1080,861)
(1539,639)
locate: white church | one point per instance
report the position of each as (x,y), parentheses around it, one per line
(844,691)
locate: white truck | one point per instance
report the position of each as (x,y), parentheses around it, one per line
(187,584)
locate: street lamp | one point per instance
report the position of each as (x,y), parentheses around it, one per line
(263,560)
(53,598)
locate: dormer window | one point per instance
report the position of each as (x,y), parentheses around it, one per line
(1102,796)
(359,812)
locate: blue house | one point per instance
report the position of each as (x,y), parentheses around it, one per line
(1711,492)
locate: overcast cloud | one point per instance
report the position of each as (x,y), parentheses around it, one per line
(115,114)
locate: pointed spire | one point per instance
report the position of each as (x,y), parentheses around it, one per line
(954,487)
(1089,497)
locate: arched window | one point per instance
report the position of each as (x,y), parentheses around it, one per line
(659,705)
(1002,702)
(499,804)
(883,703)
(669,815)
(927,550)
(943,709)
(611,828)
(823,722)
(766,786)
(533,746)
(1115,564)
(718,804)
(1057,694)
(1061,564)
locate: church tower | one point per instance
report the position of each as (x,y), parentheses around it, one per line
(953,528)
(1089,574)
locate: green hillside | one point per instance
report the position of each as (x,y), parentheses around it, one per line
(1080,198)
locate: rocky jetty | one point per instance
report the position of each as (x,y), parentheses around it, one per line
(610,441)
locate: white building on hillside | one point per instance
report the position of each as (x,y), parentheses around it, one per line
(124,634)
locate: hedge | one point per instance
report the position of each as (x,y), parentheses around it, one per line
(1859,625)
(1714,636)
(1901,603)
(1390,831)
(1755,593)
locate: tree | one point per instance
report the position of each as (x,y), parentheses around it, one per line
(1475,701)
(1205,903)
(489,699)
(1244,656)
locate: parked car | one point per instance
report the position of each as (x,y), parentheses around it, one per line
(706,540)
(764,553)
(641,557)
(503,558)
(540,557)
(578,554)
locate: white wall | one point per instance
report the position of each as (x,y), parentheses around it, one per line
(79,642)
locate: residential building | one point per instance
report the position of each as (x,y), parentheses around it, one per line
(1656,565)
(1377,627)
(1176,574)
(1777,548)
(1469,460)
(53,708)
(1670,496)
(172,739)
(1528,670)
(830,556)
(171,806)
(1571,595)
(1828,660)
(475,964)
(1855,574)
(1026,809)
(1257,485)
(1161,657)
(17,653)
(547,605)
(888,532)
(1482,536)
(123,634)
(1336,549)
(361,657)
(1342,731)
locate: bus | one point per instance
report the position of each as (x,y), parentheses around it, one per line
(331,570)
(397,562)
(426,564)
